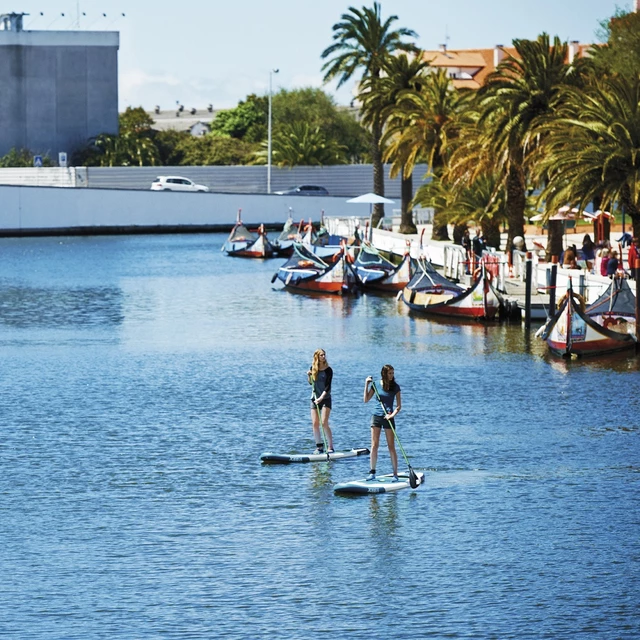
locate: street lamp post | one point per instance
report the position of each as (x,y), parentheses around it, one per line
(269,134)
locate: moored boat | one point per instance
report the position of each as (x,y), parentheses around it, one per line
(430,293)
(606,326)
(243,243)
(374,272)
(306,271)
(283,245)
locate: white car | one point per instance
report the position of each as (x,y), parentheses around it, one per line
(176,183)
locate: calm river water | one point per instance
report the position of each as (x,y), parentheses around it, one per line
(143,376)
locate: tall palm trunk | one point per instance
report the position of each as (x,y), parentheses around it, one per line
(458,232)
(515,203)
(554,241)
(491,232)
(407,225)
(440,230)
(378,169)
(631,209)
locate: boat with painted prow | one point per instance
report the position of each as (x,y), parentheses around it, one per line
(606,326)
(430,293)
(381,484)
(283,458)
(307,272)
(375,272)
(243,243)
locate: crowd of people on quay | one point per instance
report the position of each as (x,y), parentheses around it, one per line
(602,258)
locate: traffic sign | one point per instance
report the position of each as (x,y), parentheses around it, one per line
(37,161)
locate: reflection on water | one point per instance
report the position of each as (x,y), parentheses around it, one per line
(133,496)
(25,307)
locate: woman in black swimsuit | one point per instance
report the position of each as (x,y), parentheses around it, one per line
(320,376)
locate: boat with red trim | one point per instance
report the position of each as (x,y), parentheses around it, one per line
(243,243)
(430,293)
(606,326)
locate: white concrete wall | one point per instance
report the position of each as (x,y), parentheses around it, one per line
(29,209)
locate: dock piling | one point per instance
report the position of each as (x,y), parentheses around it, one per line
(527,297)
(552,285)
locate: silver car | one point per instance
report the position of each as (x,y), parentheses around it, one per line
(176,183)
(303,190)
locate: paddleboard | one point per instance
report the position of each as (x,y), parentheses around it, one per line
(382,484)
(283,458)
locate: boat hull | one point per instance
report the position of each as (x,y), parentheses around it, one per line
(479,302)
(380,279)
(335,279)
(259,248)
(573,333)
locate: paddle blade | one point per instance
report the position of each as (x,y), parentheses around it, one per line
(414,481)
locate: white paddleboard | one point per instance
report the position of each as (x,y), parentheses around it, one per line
(283,458)
(382,484)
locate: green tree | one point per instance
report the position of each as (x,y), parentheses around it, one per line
(136,120)
(215,150)
(621,51)
(362,42)
(517,95)
(419,124)
(591,150)
(319,110)
(401,75)
(247,121)
(301,144)
(171,146)
(22,158)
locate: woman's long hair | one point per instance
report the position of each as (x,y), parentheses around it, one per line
(387,376)
(315,366)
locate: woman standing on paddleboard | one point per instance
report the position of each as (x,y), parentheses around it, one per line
(320,376)
(383,416)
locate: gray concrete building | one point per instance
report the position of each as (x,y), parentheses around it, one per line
(57,88)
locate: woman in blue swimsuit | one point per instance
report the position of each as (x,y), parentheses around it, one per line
(320,376)
(389,391)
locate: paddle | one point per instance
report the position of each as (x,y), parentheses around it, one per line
(413,477)
(313,397)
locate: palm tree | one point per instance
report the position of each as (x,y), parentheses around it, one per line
(517,95)
(592,149)
(458,202)
(420,123)
(401,74)
(299,143)
(363,41)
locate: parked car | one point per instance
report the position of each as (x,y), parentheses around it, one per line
(176,183)
(303,190)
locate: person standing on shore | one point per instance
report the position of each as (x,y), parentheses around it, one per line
(383,416)
(634,254)
(320,376)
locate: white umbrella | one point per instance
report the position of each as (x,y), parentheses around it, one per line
(371,198)
(563,213)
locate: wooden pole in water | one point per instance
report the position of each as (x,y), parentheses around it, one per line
(527,294)
(637,266)
(552,285)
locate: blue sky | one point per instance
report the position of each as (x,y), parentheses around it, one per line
(199,52)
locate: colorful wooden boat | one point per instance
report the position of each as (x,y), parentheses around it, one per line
(606,326)
(374,272)
(430,293)
(306,271)
(291,232)
(243,243)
